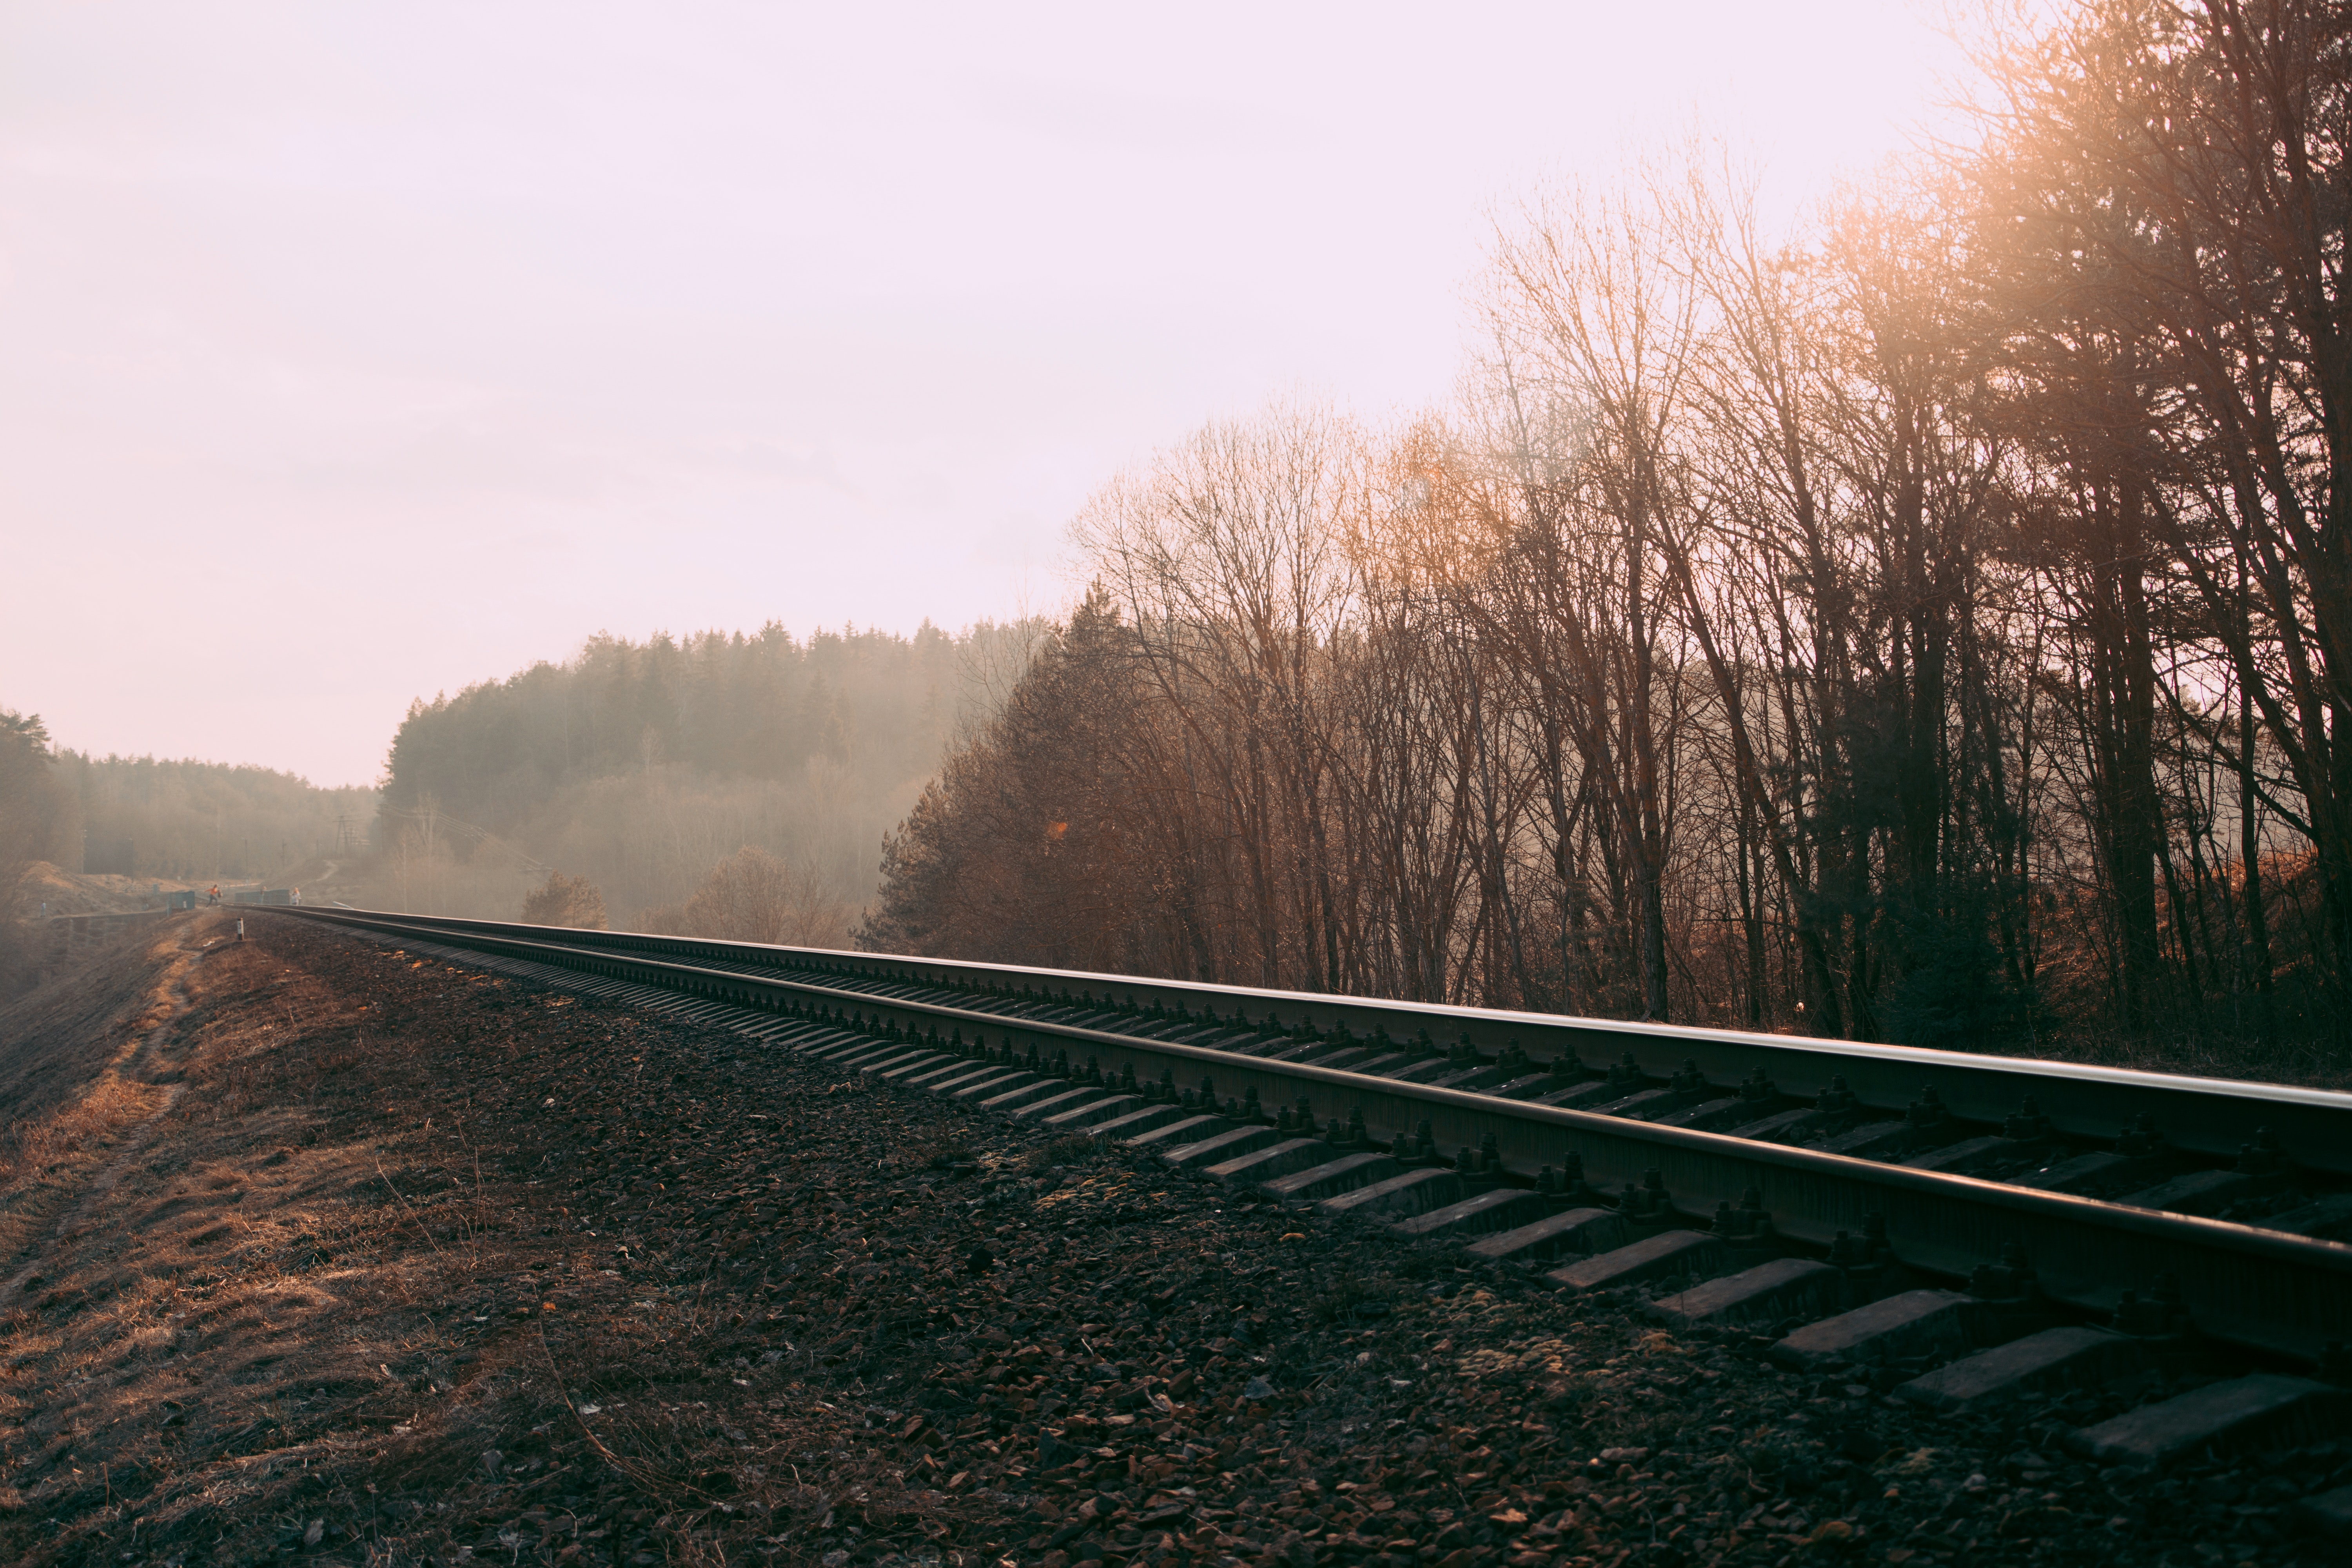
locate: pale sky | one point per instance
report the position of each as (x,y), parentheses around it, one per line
(348,354)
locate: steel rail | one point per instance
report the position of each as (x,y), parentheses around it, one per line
(2264,1289)
(2212,1117)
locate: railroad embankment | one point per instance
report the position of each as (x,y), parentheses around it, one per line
(321,1250)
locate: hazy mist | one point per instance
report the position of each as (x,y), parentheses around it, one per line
(441,338)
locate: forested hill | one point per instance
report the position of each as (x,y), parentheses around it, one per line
(181,818)
(640,765)
(722,704)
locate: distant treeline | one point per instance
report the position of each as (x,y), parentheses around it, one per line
(196,821)
(642,765)
(1932,625)
(161,817)
(180,821)
(38,823)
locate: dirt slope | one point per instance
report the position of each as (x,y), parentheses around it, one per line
(57,1040)
(350,1257)
(66,892)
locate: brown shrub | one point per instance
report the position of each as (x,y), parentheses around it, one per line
(573,901)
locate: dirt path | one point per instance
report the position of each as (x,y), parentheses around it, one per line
(143,1066)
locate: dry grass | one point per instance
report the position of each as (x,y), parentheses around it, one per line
(45,1144)
(214,1307)
(326,1291)
(72,1072)
(56,1039)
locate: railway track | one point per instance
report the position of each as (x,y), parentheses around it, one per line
(1956,1230)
